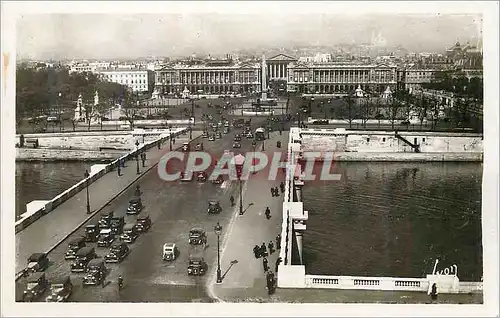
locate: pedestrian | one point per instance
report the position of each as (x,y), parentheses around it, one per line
(276,191)
(278,262)
(434,293)
(256,249)
(119,170)
(159,144)
(282,187)
(271,247)
(263,250)
(268,213)
(272,192)
(137,191)
(278,241)
(265,264)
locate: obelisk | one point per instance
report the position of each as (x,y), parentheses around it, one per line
(264,79)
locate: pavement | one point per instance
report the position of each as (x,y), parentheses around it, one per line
(174,208)
(54,226)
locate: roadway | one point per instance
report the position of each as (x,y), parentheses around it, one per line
(174,208)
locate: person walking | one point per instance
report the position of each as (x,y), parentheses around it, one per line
(256,249)
(282,187)
(278,241)
(232,200)
(265,264)
(263,250)
(119,170)
(120,282)
(276,191)
(278,262)
(268,213)
(272,192)
(271,247)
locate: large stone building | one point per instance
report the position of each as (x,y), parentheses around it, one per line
(138,79)
(208,77)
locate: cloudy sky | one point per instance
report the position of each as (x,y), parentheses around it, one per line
(45,36)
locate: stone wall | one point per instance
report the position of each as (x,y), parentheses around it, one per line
(29,154)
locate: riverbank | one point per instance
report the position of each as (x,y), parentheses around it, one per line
(409,156)
(65,155)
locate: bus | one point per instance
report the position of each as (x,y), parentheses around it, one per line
(260,134)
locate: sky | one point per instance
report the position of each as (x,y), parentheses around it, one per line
(106,36)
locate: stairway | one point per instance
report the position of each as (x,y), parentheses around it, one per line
(416,147)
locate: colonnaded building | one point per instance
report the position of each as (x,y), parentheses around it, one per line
(230,76)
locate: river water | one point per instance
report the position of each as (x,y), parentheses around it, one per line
(394,219)
(45,180)
(381,219)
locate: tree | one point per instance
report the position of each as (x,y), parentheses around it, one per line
(394,107)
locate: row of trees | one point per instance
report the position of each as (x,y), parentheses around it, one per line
(459,85)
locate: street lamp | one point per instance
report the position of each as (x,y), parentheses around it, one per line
(137,156)
(170,136)
(218,231)
(87,187)
(238,161)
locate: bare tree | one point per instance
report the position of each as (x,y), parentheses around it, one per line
(394,107)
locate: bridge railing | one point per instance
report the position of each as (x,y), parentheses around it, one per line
(367,283)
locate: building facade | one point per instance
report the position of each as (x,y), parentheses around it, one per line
(335,78)
(138,80)
(208,78)
(413,78)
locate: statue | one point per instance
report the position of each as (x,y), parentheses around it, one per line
(96,98)
(80,109)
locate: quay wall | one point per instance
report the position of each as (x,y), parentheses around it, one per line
(292,273)
(96,172)
(54,155)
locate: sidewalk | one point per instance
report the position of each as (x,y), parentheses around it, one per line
(246,279)
(51,228)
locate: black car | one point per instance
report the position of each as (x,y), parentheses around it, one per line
(105,220)
(117,224)
(202,176)
(83,257)
(73,246)
(218,180)
(214,207)
(37,262)
(197,266)
(143,223)
(37,284)
(117,252)
(91,233)
(197,236)
(96,272)
(106,237)
(135,206)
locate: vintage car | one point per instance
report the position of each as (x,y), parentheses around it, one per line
(117,252)
(197,236)
(202,176)
(130,233)
(105,220)
(187,176)
(226,123)
(83,257)
(237,137)
(91,233)
(37,262)
(106,238)
(197,265)
(218,135)
(249,135)
(60,290)
(117,224)
(37,284)
(211,138)
(143,223)
(199,147)
(170,252)
(225,131)
(96,272)
(73,246)
(214,207)
(278,144)
(220,124)
(218,180)
(205,134)
(186,147)
(134,205)
(236,145)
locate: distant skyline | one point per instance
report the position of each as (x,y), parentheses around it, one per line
(106,36)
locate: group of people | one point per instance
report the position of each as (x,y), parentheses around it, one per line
(275,192)
(264,251)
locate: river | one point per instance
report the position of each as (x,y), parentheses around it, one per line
(394,219)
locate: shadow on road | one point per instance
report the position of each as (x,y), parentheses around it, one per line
(229,268)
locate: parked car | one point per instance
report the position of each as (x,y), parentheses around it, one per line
(199,147)
(249,135)
(91,233)
(186,147)
(143,223)
(73,246)
(106,238)
(105,220)
(96,272)
(60,290)
(205,134)
(37,284)
(186,176)
(197,236)
(130,233)
(170,252)
(218,135)
(214,207)
(211,138)
(236,145)
(117,224)
(83,257)
(134,206)
(117,252)
(37,262)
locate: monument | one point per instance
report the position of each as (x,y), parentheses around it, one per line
(359,92)
(80,109)
(387,94)
(264,100)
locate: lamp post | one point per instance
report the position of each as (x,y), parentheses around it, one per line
(87,187)
(170,136)
(254,144)
(137,155)
(218,231)
(238,161)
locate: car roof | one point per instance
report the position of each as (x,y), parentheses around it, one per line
(129,226)
(213,201)
(143,217)
(96,261)
(77,240)
(168,245)
(118,243)
(105,231)
(196,229)
(61,280)
(91,226)
(35,277)
(36,256)
(85,250)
